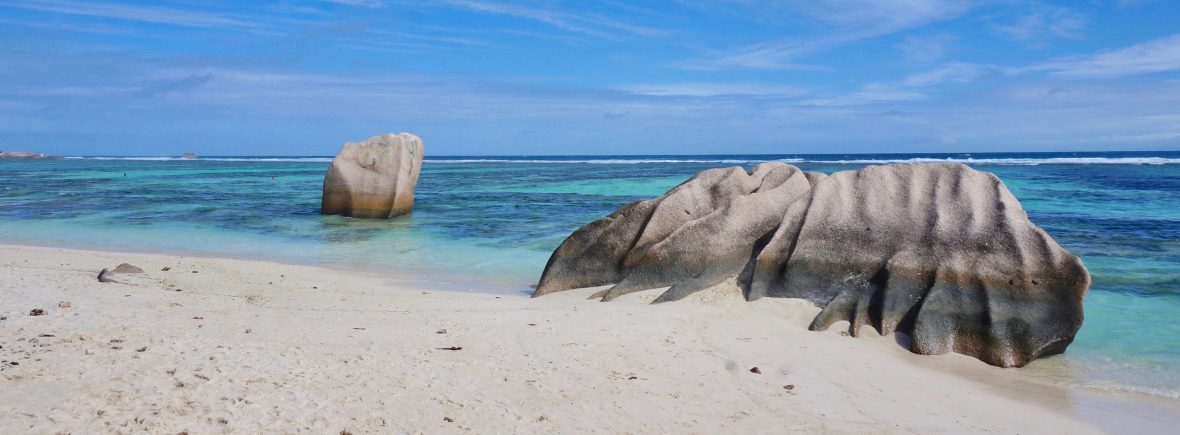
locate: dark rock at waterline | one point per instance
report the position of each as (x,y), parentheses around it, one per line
(373,179)
(940,252)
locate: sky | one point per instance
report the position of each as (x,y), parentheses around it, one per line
(492,77)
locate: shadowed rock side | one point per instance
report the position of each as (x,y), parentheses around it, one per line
(941,253)
(374,179)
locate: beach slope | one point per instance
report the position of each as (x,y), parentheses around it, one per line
(219,345)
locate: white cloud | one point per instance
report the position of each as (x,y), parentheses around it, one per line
(928,48)
(1155,56)
(1037,28)
(954,73)
(175,17)
(850,20)
(572,22)
(872,93)
(372,4)
(714,90)
(885,13)
(1159,55)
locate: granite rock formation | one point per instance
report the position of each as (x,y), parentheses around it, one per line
(374,179)
(939,252)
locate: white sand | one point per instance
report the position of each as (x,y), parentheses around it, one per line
(250,347)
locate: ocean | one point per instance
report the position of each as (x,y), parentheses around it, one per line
(489,224)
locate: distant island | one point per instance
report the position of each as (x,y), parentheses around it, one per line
(22,155)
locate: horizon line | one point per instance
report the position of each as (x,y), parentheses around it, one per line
(199,156)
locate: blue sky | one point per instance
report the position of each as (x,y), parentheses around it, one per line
(480,77)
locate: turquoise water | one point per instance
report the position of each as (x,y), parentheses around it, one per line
(489,224)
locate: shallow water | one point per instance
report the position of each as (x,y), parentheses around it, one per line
(494,221)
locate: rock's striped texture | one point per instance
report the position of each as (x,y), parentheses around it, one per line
(940,252)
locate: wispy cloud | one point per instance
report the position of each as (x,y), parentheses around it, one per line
(850,21)
(1155,56)
(587,23)
(873,93)
(714,90)
(1159,55)
(156,15)
(927,48)
(957,72)
(1037,28)
(182,85)
(372,4)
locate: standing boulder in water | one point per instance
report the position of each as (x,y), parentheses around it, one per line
(940,252)
(374,179)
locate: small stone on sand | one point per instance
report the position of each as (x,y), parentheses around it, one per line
(127,268)
(105,276)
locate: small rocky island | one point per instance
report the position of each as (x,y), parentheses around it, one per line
(22,155)
(374,179)
(940,252)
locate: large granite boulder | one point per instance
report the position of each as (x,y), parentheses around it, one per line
(940,252)
(374,179)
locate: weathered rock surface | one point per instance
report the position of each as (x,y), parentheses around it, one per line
(940,252)
(375,178)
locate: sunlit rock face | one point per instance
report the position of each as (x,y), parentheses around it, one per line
(374,179)
(940,252)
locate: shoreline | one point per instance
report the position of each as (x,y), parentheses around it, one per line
(287,347)
(405,277)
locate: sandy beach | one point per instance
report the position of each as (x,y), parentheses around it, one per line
(223,345)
